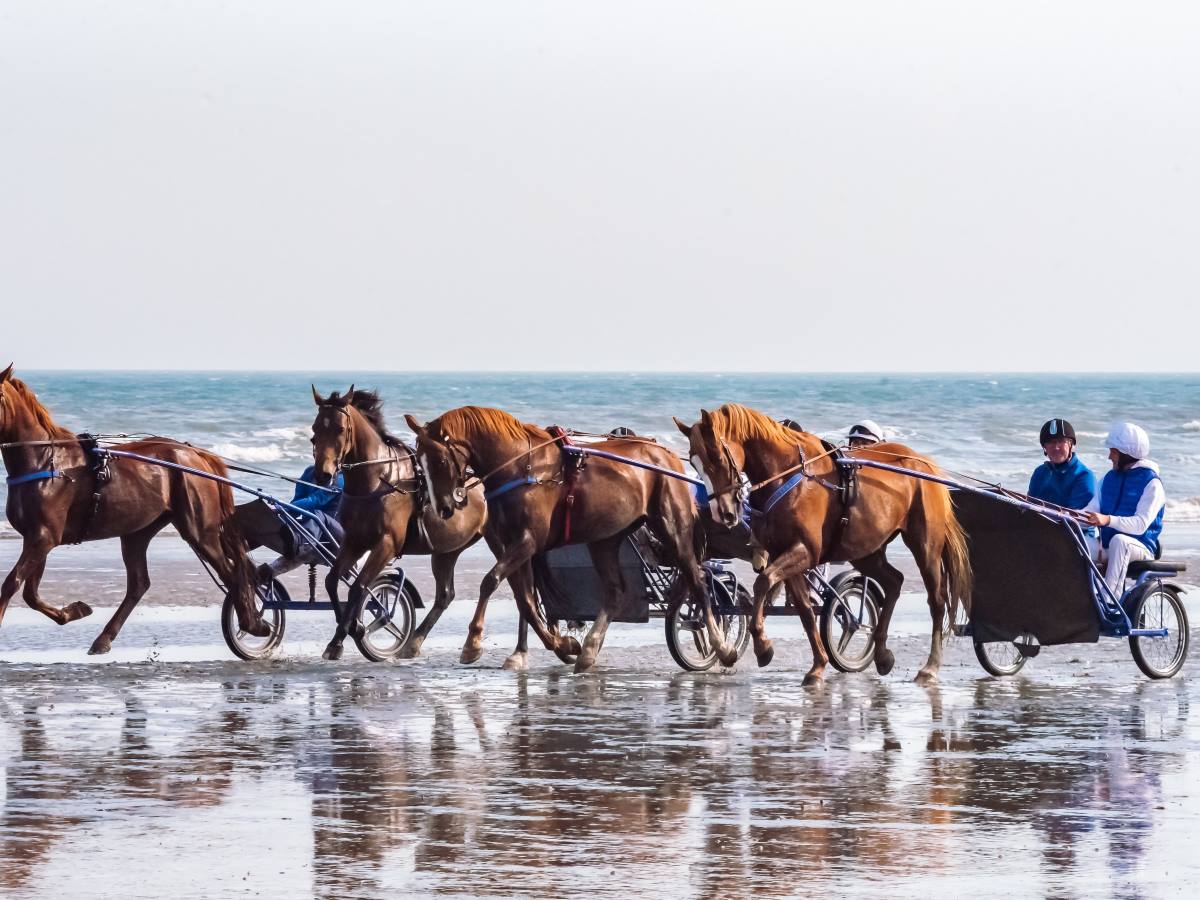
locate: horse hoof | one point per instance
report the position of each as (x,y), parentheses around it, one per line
(884,662)
(765,655)
(573,647)
(926,677)
(332,653)
(727,656)
(470,655)
(518,662)
(76,610)
(99,647)
(813,678)
(410,651)
(583,663)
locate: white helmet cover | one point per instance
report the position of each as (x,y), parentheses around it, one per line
(866,429)
(1129,439)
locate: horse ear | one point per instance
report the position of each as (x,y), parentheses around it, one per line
(317,398)
(706,418)
(417,428)
(686,429)
(350,393)
(6,374)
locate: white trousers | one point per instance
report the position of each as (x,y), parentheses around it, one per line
(1122,550)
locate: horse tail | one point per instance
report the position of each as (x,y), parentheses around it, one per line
(233,542)
(956,564)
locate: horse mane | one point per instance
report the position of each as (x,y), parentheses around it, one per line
(40,414)
(741,423)
(466,420)
(370,405)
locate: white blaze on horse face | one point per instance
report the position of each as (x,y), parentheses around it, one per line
(708,486)
(424,460)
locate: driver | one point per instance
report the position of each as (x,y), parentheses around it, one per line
(1129,505)
(261,527)
(1062,479)
(864,434)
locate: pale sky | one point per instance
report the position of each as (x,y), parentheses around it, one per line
(605,185)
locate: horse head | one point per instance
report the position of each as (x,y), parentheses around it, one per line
(720,464)
(444,465)
(333,434)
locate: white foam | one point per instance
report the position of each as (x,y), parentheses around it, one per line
(1183,510)
(256,453)
(1193,425)
(286,433)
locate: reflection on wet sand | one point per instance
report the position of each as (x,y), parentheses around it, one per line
(489,783)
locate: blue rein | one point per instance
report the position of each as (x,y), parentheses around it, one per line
(33,476)
(488,496)
(780,492)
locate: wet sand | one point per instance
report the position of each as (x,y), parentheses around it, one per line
(298,778)
(166,769)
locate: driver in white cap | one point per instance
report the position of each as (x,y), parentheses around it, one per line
(864,434)
(1129,504)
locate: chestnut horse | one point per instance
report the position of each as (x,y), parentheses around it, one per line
(803,529)
(58,494)
(379,509)
(538,500)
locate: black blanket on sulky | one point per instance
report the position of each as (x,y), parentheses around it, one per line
(1029,575)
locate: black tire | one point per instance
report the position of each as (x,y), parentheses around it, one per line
(848,624)
(1160,606)
(999,658)
(687,635)
(247,646)
(387,620)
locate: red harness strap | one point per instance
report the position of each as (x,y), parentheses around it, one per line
(572,465)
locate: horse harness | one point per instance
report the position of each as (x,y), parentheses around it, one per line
(846,487)
(96,461)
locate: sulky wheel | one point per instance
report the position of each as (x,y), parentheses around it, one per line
(1159,606)
(848,622)
(387,618)
(687,634)
(269,600)
(1001,658)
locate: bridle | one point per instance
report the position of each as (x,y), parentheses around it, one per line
(340,465)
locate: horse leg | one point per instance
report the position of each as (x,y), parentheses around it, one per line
(349,622)
(521,582)
(443,576)
(137,582)
(791,563)
(206,543)
(890,579)
(798,594)
(28,571)
(669,528)
(605,560)
(511,559)
(930,566)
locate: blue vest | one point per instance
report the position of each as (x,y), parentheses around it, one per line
(1119,496)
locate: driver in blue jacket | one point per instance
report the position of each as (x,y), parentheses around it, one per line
(263,528)
(1062,479)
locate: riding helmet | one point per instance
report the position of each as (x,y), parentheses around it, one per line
(1056,428)
(866,430)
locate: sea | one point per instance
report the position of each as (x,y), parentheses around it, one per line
(982,425)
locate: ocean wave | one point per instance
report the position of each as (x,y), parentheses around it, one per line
(1183,510)
(256,453)
(1193,425)
(286,433)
